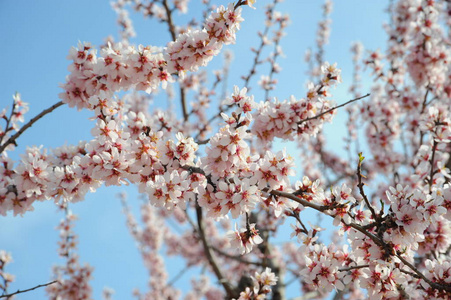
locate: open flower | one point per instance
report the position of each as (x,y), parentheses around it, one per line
(243,240)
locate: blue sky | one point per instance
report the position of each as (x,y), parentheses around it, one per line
(36,37)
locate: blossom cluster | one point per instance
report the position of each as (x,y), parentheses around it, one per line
(297,118)
(262,282)
(95,78)
(12,120)
(416,222)
(155,9)
(196,48)
(7,278)
(150,238)
(413,212)
(273,17)
(72,278)
(427,60)
(327,268)
(237,178)
(123,20)
(315,59)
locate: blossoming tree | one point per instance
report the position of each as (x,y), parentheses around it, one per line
(214,170)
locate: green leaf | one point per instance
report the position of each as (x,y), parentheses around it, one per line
(361,157)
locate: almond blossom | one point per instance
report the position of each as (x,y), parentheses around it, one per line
(223,173)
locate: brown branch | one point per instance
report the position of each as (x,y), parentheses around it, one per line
(298,218)
(410,273)
(353,268)
(211,258)
(304,202)
(236,257)
(421,275)
(169,19)
(8,121)
(431,175)
(297,199)
(425,99)
(12,139)
(240,3)
(322,209)
(362,191)
(27,290)
(333,108)
(174,37)
(183,104)
(193,169)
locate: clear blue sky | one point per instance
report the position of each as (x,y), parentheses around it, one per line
(36,37)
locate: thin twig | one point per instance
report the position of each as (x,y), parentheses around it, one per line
(431,175)
(236,257)
(298,218)
(362,191)
(27,290)
(169,19)
(273,61)
(425,99)
(12,139)
(333,108)
(8,121)
(258,52)
(177,277)
(353,268)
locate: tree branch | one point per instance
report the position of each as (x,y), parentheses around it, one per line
(27,290)
(174,37)
(8,121)
(236,257)
(169,19)
(361,190)
(353,268)
(431,175)
(12,139)
(210,256)
(322,209)
(177,277)
(305,203)
(257,54)
(333,108)
(421,275)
